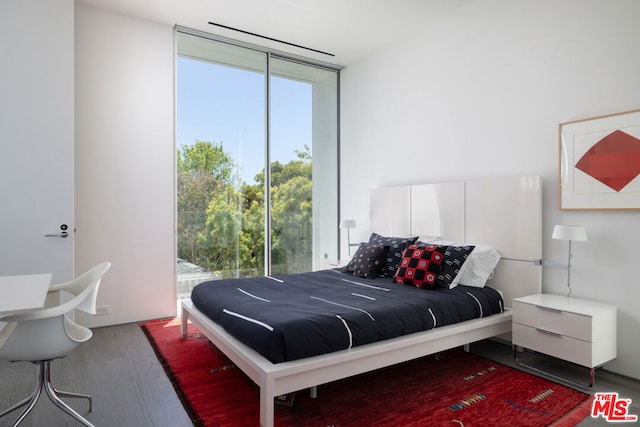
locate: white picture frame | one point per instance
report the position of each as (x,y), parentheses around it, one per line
(599,162)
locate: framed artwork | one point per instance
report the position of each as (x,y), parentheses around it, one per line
(600,162)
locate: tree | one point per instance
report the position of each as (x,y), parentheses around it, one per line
(194,195)
(291,223)
(203,170)
(222,229)
(291,213)
(221,221)
(210,158)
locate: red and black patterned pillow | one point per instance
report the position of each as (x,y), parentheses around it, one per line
(420,266)
(368,260)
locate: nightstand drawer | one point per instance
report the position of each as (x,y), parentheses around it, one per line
(557,345)
(558,321)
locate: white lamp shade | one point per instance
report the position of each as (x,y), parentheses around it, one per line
(348,223)
(575,233)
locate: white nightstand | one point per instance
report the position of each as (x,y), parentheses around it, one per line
(572,329)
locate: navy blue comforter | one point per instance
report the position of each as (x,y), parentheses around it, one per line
(301,315)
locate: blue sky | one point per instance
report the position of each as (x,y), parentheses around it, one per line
(224,104)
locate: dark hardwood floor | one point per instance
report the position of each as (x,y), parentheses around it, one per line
(129,387)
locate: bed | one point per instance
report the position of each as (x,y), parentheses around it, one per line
(503,213)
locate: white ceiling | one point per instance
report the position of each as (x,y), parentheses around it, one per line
(349,29)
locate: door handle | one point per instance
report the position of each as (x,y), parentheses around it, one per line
(63,235)
(63,232)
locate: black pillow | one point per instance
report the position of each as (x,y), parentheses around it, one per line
(454,258)
(397,245)
(368,260)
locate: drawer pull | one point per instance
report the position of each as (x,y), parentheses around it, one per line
(544,331)
(555,310)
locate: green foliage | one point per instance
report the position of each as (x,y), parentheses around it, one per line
(204,170)
(221,220)
(194,196)
(207,157)
(291,211)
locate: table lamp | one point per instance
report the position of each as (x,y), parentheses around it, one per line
(571,233)
(348,223)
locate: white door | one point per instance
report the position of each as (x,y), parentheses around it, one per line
(36,137)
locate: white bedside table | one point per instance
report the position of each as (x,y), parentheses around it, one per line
(572,329)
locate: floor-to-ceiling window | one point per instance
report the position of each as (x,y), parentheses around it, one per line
(257,162)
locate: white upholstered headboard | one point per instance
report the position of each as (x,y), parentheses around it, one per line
(504,213)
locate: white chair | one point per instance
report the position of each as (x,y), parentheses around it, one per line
(47,334)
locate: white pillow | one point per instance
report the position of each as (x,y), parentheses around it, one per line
(478,267)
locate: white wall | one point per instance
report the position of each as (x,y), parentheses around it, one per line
(125,162)
(481,95)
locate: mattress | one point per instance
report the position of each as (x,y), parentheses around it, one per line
(295,316)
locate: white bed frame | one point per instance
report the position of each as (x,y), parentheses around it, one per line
(502,213)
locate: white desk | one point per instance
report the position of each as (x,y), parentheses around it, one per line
(23,293)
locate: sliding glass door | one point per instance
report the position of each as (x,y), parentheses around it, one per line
(303,165)
(257,163)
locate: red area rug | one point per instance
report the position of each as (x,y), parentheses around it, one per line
(451,388)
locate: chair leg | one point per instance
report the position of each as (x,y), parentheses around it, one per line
(53,395)
(74,395)
(32,399)
(43,381)
(61,393)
